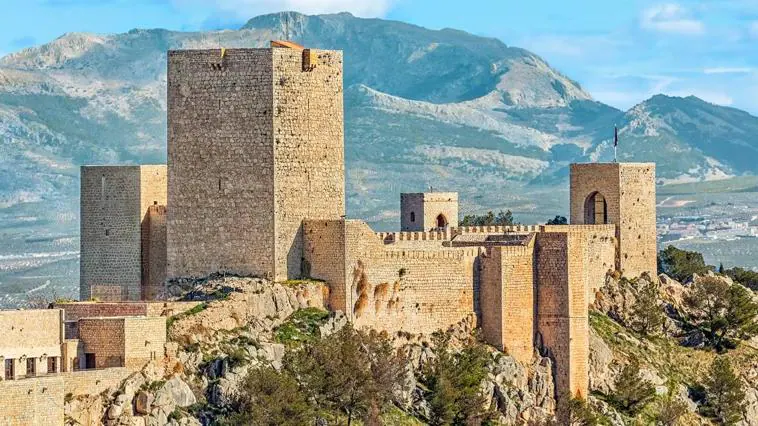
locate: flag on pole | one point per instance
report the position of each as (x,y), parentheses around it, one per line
(615,135)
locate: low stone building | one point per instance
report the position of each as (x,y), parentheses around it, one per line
(43,360)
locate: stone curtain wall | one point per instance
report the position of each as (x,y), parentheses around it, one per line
(78,310)
(93,382)
(32,333)
(110,234)
(419,291)
(308,141)
(37,401)
(507,299)
(637,234)
(105,338)
(153,252)
(324,258)
(144,340)
(629,191)
(221,162)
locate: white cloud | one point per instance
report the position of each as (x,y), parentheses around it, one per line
(249,8)
(728,70)
(671,18)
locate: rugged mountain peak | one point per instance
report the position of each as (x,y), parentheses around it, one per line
(56,53)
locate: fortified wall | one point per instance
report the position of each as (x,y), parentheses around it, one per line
(519,283)
(255,186)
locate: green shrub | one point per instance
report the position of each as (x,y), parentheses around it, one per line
(301,326)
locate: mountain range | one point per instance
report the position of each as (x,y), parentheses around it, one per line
(423,108)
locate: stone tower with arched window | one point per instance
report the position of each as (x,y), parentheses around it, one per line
(622,194)
(425,211)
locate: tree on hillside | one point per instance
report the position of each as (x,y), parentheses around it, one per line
(576,411)
(725,392)
(681,264)
(269,398)
(454,381)
(667,410)
(632,392)
(558,220)
(723,312)
(350,371)
(503,218)
(647,315)
(743,276)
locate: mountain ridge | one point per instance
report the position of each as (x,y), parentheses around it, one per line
(423,107)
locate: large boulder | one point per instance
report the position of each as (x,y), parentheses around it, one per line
(601,371)
(177,391)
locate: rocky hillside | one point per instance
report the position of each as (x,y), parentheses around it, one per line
(247,323)
(675,361)
(423,108)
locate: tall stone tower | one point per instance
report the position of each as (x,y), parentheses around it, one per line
(423,211)
(255,145)
(120,222)
(622,194)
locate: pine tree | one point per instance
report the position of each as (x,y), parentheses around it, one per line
(268,397)
(647,315)
(725,392)
(723,312)
(632,391)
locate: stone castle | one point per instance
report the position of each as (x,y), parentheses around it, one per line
(255,186)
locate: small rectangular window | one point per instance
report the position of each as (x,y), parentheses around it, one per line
(30,370)
(9,369)
(107,232)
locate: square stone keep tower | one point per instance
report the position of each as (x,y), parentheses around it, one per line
(117,203)
(424,211)
(622,194)
(255,145)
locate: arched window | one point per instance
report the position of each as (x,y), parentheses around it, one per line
(441,221)
(595,209)
(413,216)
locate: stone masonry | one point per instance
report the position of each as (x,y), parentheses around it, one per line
(256,187)
(421,211)
(629,193)
(255,145)
(114,205)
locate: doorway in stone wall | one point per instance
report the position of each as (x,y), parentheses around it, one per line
(595,209)
(441,221)
(89,361)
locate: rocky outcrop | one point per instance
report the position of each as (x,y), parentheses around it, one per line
(611,347)
(241,302)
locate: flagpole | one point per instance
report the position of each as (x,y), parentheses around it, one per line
(615,142)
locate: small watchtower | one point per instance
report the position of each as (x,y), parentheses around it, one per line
(622,194)
(425,211)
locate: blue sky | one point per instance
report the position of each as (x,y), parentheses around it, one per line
(621,51)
